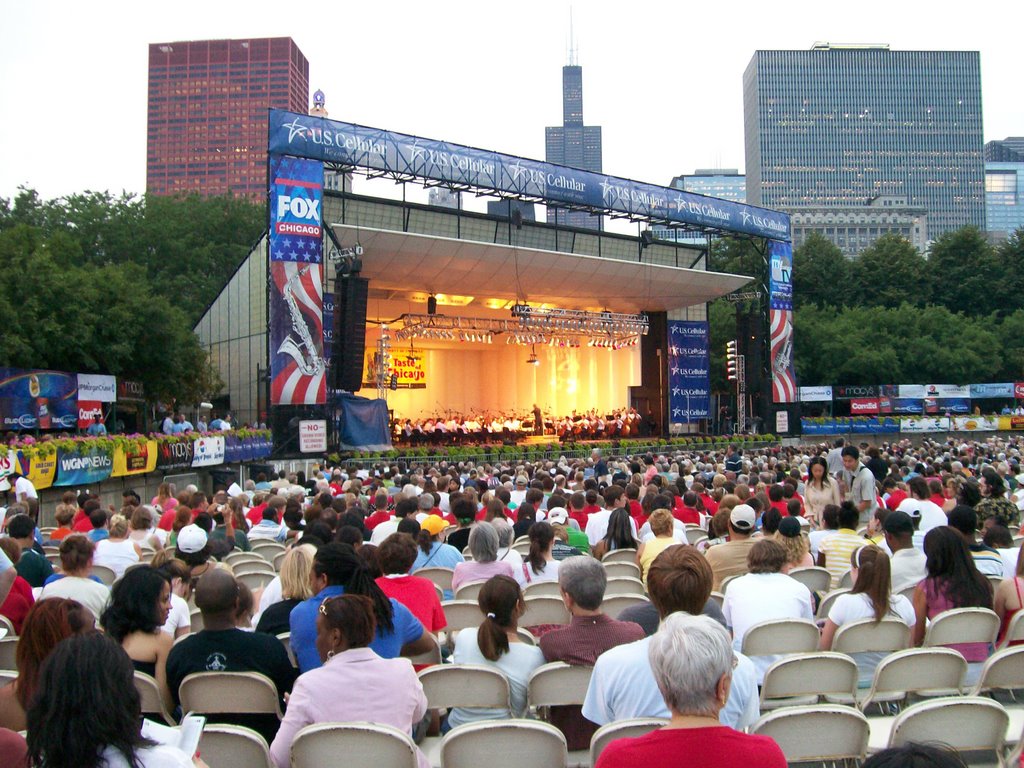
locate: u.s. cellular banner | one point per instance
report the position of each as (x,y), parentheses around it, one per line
(297,367)
(780,317)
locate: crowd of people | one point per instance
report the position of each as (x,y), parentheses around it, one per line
(914,530)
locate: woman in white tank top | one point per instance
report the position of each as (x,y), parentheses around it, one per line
(118,551)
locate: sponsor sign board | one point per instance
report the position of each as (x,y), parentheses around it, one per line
(689,365)
(208,451)
(94,386)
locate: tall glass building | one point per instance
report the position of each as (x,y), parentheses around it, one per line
(573,144)
(840,125)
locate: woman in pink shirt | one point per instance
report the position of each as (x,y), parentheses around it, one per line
(388,690)
(483,546)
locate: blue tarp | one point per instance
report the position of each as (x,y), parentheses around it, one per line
(364,423)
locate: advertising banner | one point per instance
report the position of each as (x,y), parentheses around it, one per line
(908,405)
(94,386)
(88,410)
(174,455)
(10,461)
(208,451)
(396,153)
(34,399)
(82,468)
(1018,390)
(297,367)
(981,391)
(328,325)
(947,390)
(780,318)
(864,406)
(925,424)
(1007,423)
(135,463)
(911,391)
(815,394)
(409,365)
(130,391)
(849,392)
(689,365)
(41,471)
(975,423)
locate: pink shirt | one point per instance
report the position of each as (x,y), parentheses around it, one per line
(470,571)
(388,692)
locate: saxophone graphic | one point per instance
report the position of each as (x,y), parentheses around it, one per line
(303,351)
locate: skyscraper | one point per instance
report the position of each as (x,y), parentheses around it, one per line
(841,125)
(208,102)
(573,143)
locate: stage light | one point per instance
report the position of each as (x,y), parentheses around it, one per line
(731,361)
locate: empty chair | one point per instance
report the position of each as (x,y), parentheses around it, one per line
(814,578)
(152,703)
(8,649)
(257,579)
(622,729)
(624,585)
(616,604)
(965,723)
(237,556)
(781,636)
(542,589)
(826,603)
(267,548)
(440,576)
(557,683)
(544,610)
(356,745)
(104,574)
(923,671)
(229,693)
(232,746)
(469,591)
(818,733)
(279,560)
(617,569)
(504,744)
(801,680)
(620,556)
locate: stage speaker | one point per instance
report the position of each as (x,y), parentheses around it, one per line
(349,332)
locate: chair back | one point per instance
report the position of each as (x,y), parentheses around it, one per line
(962,625)
(869,635)
(362,745)
(104,574)
(232,746)
(267,548)
(526,636)
(846,580)
(812,675)
(616,604)
(826,603)
(286,641)
(781,636)
(542,589)
(965,723)
(152,702)
(934,671)
(461,614)
(6,623)
(195,617)
(814,578)
(558,683)
(617,569)
(257,579)
(469,591)
(251,566)
(522,547)
(621,729)
(8,676)
(624,585)
(504,744)
(440,576)
(693,535)
(465,685)
(279,561)
(620,556)
(544,610)
(724,586)
(238,556)
(433,656)
(1002,671)
(230,693)
(1014,632)
(817,733)
(8,651)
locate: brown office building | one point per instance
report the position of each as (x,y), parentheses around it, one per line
(208,103)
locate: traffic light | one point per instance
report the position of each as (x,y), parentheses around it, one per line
(731,361)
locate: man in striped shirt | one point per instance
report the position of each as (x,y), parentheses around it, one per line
(835,551)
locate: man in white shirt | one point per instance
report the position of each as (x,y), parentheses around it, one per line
(931,514)
(597,523)
(518,496)
(622,685)
(908,564)
(23,487)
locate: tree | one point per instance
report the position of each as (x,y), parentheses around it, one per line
(888,273)
(821,273)
(737,256)
(965,275)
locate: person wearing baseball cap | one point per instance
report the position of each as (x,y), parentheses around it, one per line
(908,562)
(431,551)
(730,558)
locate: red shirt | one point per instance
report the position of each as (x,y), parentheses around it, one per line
(255,515)
(18,603)
(419,596)
(938,500)
(687,515)
(167,520)
(60,533)
(781,506)
(709,504)
(719,746)
(378,517)
(82,524)
(591,509)
(580,517)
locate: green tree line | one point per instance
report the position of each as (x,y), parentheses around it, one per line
(114,284)
(892,315)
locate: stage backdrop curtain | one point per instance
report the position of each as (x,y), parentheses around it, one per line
(364,423)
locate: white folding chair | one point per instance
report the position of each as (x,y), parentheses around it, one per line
(846,580)
(781,636)
(504,744)
(522,547)
(232,746)
(962,625)
(461,614)
(8,652)
(624,585)
(921,671)
(693,535)
(613,606)
(618,569)
(802,679)
(724,586)
(5,623)
(257,579)
(544,610)
(557,684)
(359,745)
(827,733)
(868,635)
(433,656)
(229,693)
(814,578)
(1002,671)
(465,685)
(267,548)
(826,603)
(622,729)
(469,591)
(195,618)
(965,723)
(152,701)
(543,589)
(238,556)
(104,574)
(620,556)
(251,566)
(286,641)
(442,577)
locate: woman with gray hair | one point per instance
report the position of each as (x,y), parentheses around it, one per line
(692,661)
(483,547)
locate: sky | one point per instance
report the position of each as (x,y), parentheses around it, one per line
(663,79)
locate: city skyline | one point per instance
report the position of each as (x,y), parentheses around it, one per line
(664,109)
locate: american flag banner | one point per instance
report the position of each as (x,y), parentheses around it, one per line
(298,371)
(780,317)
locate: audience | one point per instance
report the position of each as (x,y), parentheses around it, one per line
(540,564)
(834,551)
(32,566)
(19,600)
(74,582)
(117,551)
(294,580)
(908,565)
(396,555)
(483,547)
(730,558)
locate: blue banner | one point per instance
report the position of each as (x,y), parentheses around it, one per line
(780,318)
(907,405)
(82,468)
(328,325)
(35,399)
(981,391)
(364,423)
(688,371)
(947,405)
(349,144)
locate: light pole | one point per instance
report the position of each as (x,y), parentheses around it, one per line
(735,370)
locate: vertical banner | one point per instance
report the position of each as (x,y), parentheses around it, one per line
(328,326)
(780,317)
(297,367)
(689,379)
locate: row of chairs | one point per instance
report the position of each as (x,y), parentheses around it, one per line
(442,577)
(463,614)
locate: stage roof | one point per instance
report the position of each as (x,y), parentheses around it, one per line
(401,264)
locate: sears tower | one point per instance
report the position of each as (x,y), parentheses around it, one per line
(573,143)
